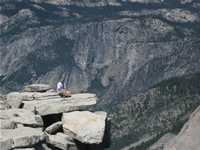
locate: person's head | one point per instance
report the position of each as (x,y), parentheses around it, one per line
(62,80)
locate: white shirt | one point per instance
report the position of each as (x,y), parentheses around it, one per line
(61,85)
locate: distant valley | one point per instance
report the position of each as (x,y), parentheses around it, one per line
(141,57)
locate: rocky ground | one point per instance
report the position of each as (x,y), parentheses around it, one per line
(40,119)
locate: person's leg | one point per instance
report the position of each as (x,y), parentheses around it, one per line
(67,93)
(61,93)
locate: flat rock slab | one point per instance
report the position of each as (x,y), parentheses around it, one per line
(83,95)
(61,141)
(37,88)
(85,126)
(22,137)
(30,96)
(21,116)
(56,105)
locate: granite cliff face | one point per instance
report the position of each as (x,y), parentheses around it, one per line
(115,48)
(132,53)
(188,138)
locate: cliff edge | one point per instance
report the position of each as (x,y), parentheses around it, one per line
(40,119)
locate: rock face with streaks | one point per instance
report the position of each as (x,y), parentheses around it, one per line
(114,48)
(26,126)
(129,50)
(188,138)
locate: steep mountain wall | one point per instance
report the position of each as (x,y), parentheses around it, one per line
(128,53)
(115,49)
(188,138)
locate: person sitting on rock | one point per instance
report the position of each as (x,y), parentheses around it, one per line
(61,88)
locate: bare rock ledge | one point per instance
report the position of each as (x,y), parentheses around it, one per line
(55,105)
(40,119)
(21,116)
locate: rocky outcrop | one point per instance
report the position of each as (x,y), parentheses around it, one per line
(7,124)
(174,15)
(130,47)
(3,104)
(54,127)
(6,143)
(25,127)
(23,136)
(100,3)
(86,3)
(187,139)
(22,116)
(14,99)
(37,88)
(61,141)
(98,48)
(86,127)
(46,105)
(166,139)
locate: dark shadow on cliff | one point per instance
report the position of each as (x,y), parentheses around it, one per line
(51,119)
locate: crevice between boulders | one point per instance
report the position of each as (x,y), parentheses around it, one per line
(51,119)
